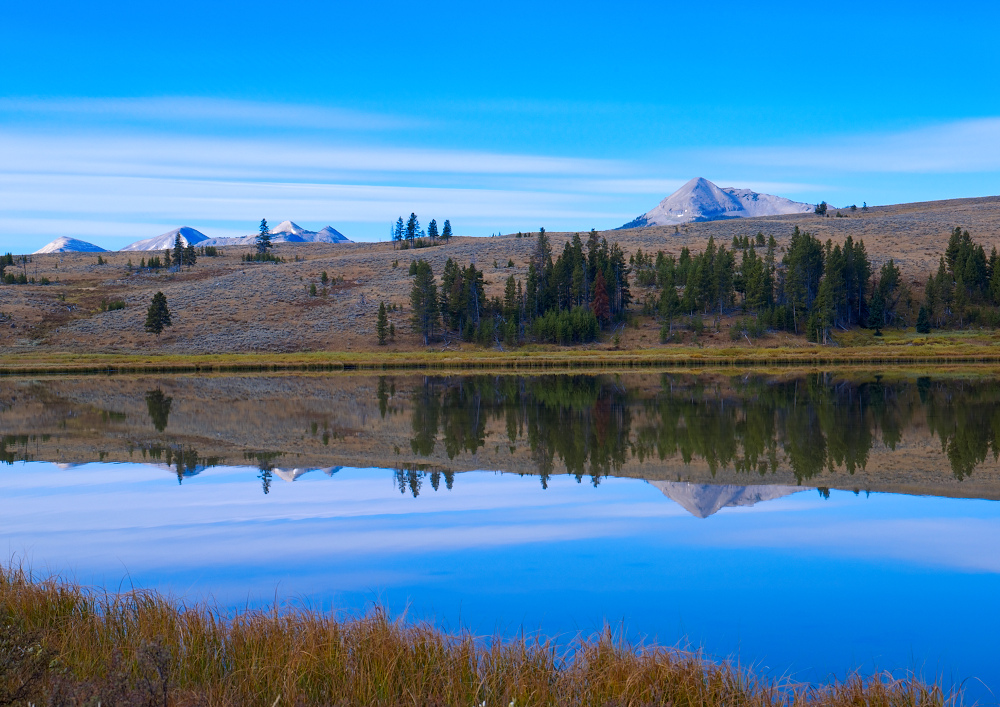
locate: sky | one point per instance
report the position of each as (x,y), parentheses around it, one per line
(120,121)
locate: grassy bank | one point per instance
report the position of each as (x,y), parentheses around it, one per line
(64,645)
(891,350)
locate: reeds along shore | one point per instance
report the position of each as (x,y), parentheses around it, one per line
(67,645)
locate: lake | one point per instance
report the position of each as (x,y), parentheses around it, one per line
(808,524)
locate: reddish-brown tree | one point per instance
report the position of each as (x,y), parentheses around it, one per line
(600,305)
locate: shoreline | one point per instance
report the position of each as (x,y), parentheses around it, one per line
(43,363)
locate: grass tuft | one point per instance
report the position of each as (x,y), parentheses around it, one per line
(63,644)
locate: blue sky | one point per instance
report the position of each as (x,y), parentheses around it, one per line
(119,121)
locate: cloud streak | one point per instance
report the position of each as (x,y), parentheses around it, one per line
(962,146)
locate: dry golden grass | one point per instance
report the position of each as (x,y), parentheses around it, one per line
(852,348)
(65,645)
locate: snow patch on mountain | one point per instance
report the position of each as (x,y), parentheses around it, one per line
(703,500)
(189,236)
(64,244)
(701,200)
(286,232)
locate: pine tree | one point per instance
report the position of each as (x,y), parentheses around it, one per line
(424,301)
(446,231)
(398,232)
(190,256)
(178,253)
(382,324)
(412,228)
(600,305)
(158,315)
(263,238)
(432,230)
(923,321)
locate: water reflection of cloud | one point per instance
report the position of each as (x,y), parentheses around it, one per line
(101,517)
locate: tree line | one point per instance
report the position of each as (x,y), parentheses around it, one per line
(411,235)
(566,300)
(811,425)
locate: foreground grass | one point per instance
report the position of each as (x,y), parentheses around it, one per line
(859,348)
(64,645)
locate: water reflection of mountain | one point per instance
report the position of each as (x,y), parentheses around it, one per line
(703,500)
(291,475)
(847,429)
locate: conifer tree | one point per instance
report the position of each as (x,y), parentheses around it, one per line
(158,315)
(398,232)
(190,255)
(263,238)
(432,230)
(178,254)
(600,305)
(923,321)
(424,301)
(382,324)
(412,229)
(446,231)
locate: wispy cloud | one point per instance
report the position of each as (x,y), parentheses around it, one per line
(204,112)
(961,146)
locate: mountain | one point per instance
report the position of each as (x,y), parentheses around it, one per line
(291,232)
(329,234)
(293,474)
(286,232)
(702,500)
(70,245)
(189,236)
(700,200)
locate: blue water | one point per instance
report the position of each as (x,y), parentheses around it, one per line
(801,585)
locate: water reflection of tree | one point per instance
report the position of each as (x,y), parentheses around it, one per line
(265,464)
(158,406)
(582,420)
(411,479)
(814,423)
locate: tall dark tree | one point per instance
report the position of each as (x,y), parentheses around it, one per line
(158,315)
(446,231)
(178,252)
(432,230)
(600,305)
(190,255)
(424,301)
(382,325)
(398,232)
(412,229)
(803,268)
(263,238)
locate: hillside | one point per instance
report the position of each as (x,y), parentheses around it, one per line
(224,305)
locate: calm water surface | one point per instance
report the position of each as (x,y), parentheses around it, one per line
(808,525)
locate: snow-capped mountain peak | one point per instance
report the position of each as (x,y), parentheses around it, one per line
(701,200)
(64,244)
(189,236)
(289,227)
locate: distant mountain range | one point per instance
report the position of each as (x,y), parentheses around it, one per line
(64,244)
(701,200)
(286,232)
